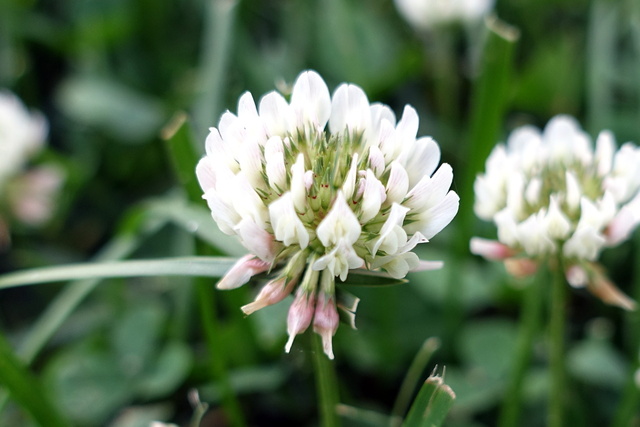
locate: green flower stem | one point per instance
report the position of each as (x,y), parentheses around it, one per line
(630,401)
(556,350)
(326,384)
(529,326)
(217,358)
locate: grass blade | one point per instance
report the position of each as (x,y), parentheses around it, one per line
(431,405)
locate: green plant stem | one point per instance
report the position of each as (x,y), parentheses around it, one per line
(556,347)
(326,384)
(217,359)
(25,389)
(529,326)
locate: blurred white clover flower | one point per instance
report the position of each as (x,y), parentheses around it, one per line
(22,134)
(549,192)
(322,185)
(427,14)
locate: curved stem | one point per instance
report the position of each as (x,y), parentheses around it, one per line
(556,349)
(529,326)
(326,384)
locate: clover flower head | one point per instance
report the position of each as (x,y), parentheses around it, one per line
(22,133)
(318,186)
(427,14)
(550,192)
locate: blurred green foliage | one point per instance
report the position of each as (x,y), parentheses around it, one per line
(110,74)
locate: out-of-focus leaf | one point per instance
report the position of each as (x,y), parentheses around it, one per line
(487,347)
(187,266)
(248,380)
(167,372)
(87,384)
(595,361)
(432,404)
(371,278)
(25,389)
(141,416)
(135,336)
(128,116)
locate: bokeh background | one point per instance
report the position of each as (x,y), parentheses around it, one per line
(111,74)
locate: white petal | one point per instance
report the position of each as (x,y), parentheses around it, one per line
(287,226)
(398,184)
(349,110)
(558,225)
(422,160)
(339,224)
(573,191)
(395,219)
(298,184)
(256,239)
(349,184)
(376,161)
(374,195)
(430,191)
(434,219)
(310,100)
(605,147)
(277,115)
(274,163)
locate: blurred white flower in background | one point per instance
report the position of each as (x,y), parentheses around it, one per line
(319,186)
(28,194)
(22,134)
(550,193)
(427,14)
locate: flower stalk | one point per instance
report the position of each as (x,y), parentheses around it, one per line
(557,369)
(326,384)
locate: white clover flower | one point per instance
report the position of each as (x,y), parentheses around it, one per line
(426,14)
(322,185)
(550,193)
(21,135)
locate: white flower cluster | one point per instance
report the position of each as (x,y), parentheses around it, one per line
(331,183)
(21,135)
(426,14)
(549,192)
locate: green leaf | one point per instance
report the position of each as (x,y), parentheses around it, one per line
(25,389)
(169,370)
(127,115)
(182,153)
(371,278)
(187,266)
(432,404)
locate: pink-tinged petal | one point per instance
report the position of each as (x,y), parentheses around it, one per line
(325,322)
(376,160)
(257,240)
(520,267)
(609,293)
(398,184)
(349,110)
(277,115)
(427,266)
(300,315)
(205,172)
(310,100)
(273,292)
(242,271)
(622,225)
(374,195)
(490,249)
(576,276)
